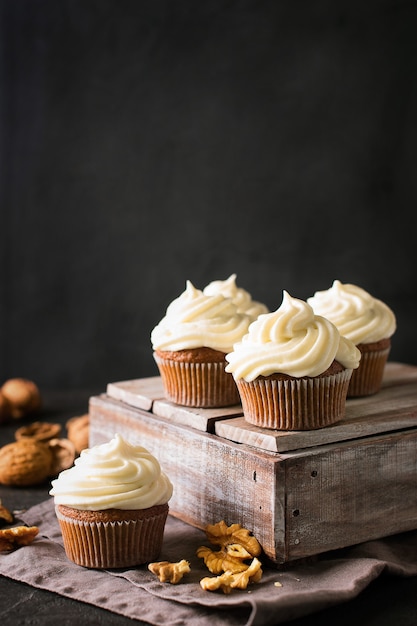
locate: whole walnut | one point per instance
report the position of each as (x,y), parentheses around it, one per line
(78,429)
(5,408)
(25,462)
(23,396)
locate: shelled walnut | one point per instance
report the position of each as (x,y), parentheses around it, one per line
(229,580)
(11,538)
(230,563)
(170,572)
(6,516)
(237,545)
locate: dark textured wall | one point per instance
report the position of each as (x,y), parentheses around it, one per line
(148,142)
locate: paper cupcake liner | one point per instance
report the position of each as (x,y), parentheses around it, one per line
(367,378)
(295,404)
(113,544)
(201,385)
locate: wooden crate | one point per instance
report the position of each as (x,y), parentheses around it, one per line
(300,493)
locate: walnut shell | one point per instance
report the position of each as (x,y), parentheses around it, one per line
(23,395)
(42,431)
(5,408)
(78,429)
(25,462)
(63,452)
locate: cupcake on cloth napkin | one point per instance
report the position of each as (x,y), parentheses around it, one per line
(368,322)
(112,506)
(190,344)
(292,369)
(239,296)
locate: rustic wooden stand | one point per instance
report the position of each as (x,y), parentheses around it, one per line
(300,493)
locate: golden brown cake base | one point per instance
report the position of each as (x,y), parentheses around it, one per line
(112,538)
(197,378)
(285,403)
(367,378)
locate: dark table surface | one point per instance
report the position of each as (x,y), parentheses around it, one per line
(388,601)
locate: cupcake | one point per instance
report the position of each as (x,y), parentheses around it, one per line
(292,369)
(369,323)
(112,506)
(239,296)
(190,344)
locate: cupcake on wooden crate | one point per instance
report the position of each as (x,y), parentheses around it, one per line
(239,296)
(190,344)
(112,506)
(368,322)
(292,369)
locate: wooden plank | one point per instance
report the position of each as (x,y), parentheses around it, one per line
(393,408)
(349,493)
(200,419)
(140,393)
(398,374)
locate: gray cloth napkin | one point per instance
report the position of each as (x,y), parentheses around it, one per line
(136,593)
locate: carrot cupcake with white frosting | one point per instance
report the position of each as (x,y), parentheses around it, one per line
(112,506)
(368,322)
(190,344)
(239,296)
(292,369)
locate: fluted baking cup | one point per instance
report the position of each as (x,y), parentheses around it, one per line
(367,378)
(100,544)
(204,385)
(295,403)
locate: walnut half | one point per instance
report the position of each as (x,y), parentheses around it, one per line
(11,538)
(228,581)
(237,547)
(170,572)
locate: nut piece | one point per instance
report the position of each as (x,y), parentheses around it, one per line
(23,395)
(25,462)
(63,453)
(11,538)
(217,562)
(42,431)
(237,546)
(222,535)
(223,582)
(78,431)
(170,572)
(228,581)
(6,517)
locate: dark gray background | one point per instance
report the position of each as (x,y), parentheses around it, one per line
(148,142)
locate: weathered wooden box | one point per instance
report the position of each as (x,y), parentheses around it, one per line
(300,493)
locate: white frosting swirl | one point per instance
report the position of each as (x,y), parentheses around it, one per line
(293,341)
(113,475)
(359,316)
(241,298)
(195,320)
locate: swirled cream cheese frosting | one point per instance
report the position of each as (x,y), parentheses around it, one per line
(359,316)
(195,320)
(291,340)
(239,296)
(113,475)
